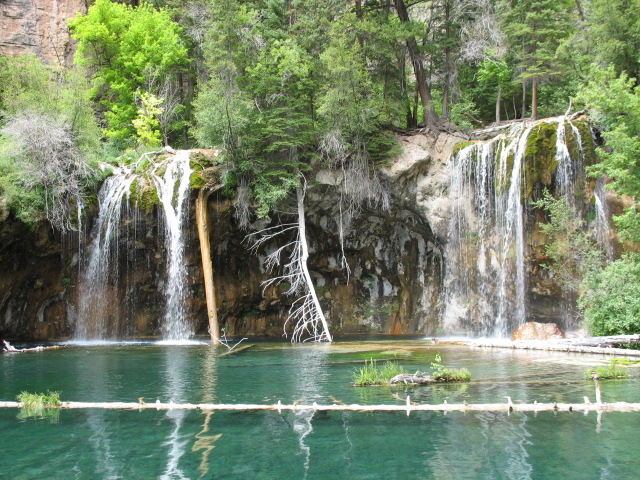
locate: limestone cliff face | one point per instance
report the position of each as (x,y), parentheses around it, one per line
(39,27)
(396,282)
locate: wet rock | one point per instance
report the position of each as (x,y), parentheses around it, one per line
(537,331)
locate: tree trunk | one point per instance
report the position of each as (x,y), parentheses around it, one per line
(430,115)
(326,335)
(534,98)
(524,98)
(498,100)
(448,70)
(202,221)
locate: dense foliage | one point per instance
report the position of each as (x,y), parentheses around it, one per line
(126,50)
(47,135)
(613,304)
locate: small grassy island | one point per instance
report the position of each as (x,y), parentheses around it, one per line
(390,373)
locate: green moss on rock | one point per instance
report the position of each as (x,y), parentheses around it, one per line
(540,156)
(461,145)
(204,169)
(144,194)
(588,145)
(197,181)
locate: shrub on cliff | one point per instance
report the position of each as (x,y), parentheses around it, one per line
(613,304)
(47,134)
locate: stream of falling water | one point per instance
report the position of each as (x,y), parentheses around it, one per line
(486,253)
(98,302)
(173,188)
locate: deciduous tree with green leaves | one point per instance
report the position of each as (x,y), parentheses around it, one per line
(118,44)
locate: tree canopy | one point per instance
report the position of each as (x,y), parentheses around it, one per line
(122,47)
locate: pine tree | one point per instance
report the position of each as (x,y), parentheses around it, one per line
(534,29)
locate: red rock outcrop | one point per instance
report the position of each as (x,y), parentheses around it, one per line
(39,27)
(537,331)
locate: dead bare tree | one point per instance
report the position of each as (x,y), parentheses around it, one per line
(483,39)
(243,204)
(45,150)
(305,311)
(166,88)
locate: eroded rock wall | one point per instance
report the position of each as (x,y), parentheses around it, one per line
(33,285)
(39,27)
(394,283)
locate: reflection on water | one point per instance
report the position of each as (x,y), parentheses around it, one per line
(96,444)
(508,434)
(204,441)
(106,463)
(176,363)
(308,385)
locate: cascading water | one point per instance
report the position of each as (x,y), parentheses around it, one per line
(97,289)
(99,278)
(486,252)
(602,227)
(173,188)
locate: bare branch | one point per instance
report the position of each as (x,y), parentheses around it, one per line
(45,149)
(305,312)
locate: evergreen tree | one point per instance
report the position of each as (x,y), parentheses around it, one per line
(534,29)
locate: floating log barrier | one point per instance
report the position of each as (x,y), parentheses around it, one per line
(409,407)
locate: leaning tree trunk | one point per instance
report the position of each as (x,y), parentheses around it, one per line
(325,335)
(430,116)
(202,221)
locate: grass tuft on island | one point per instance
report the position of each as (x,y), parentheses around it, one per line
(613,370)
(444,374)
(371,374)
(390,373)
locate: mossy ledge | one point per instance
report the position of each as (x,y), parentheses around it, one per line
(539,158)
(144,194)
(204,164)
(462,145)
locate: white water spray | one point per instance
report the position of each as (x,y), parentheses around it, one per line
(486,250)
(173,189)
(98,290)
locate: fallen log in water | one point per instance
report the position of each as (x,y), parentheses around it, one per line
(412,379)
(408,407)
(598,345)
(8,348)
(233,351)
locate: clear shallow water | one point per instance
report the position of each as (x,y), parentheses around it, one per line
(98,444)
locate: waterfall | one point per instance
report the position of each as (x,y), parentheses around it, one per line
(486,252)
(96,287)
(173,189)
(602,227)
(99,289)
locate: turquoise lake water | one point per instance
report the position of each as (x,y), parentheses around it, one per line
(100,444)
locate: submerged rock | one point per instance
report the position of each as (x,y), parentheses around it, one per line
(537,331)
